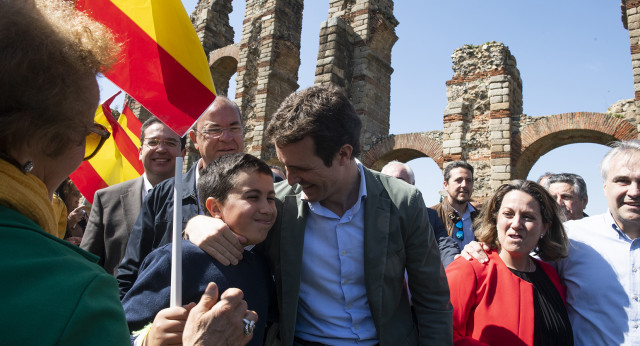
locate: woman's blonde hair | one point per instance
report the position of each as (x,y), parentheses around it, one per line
(48,53)
(553,246)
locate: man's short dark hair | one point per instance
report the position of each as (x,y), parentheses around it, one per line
(579,186)
(219,176)
(456,164)
(151,121)
(322,112)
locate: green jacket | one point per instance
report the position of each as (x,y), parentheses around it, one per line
(53,292)
(396,236)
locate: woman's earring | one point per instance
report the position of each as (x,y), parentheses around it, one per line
(27,167)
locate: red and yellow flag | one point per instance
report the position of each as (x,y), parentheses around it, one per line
(163,65)
(131,124)
(117,160)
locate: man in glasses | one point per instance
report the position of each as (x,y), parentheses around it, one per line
(115,208)
(218,132)
(455,210)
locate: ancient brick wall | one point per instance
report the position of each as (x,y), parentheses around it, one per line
(631,21)
(355,53)
(481,97)
(268,65)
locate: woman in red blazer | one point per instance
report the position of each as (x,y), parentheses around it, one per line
(513,299)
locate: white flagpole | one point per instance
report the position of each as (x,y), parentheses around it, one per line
(176,246)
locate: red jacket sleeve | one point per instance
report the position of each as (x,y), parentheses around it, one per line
(463,285)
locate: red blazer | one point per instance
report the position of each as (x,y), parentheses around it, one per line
(490,304)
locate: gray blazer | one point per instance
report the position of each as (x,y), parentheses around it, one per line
(397,235)
(113,213)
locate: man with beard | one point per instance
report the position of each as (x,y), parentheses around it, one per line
(455,210)
(570,192)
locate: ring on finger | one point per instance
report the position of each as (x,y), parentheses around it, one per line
(249,326)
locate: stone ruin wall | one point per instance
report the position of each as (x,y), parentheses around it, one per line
(482,98)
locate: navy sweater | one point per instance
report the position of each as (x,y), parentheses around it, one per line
(151,291)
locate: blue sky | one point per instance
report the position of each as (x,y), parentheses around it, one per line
(572,55)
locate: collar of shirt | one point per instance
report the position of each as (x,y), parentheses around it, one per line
(317,208)
(611,221)
(467,213)
(147,186)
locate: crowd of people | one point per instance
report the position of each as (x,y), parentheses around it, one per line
(319,251)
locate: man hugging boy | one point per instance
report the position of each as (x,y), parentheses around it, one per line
(237,188)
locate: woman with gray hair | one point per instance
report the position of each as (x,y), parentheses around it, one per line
(513,299)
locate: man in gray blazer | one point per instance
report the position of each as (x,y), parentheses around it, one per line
(344,236)
(116,208)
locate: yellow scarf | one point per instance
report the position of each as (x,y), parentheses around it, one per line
(28,195)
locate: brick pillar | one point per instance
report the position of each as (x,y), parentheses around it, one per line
(355,53)
(631,21)
(268,65)
(210,18)
(482,96)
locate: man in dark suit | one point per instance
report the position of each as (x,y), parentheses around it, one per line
(116,208)
(343,237)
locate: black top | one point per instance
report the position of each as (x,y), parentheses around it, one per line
(552,326)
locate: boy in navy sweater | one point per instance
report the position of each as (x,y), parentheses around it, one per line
(237,188)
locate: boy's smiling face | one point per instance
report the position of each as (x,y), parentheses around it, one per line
(250,208)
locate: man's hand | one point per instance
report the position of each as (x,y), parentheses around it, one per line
(214,237)
(475,250)
(168,326)
(211,323)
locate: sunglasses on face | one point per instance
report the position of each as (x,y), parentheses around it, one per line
(95,139)
(459,232)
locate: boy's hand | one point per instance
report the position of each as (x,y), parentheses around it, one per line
(214,237)
(168,326)
(211,323)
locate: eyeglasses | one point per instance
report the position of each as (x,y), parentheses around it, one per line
(95,139)
(154,142)
(459,232)
(216,132)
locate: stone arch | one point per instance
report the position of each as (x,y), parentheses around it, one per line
(550,132)
(404,147)
(223,63)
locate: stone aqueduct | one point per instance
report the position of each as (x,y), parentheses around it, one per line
(483,121)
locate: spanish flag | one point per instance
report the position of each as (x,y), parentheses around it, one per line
(131,124)
(117,160)
(163,65)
